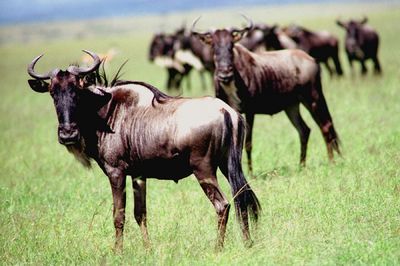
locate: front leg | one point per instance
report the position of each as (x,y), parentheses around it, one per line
(350,58)
(117,182)
(139,195)
(363,67)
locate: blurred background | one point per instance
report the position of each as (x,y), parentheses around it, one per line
(55,212)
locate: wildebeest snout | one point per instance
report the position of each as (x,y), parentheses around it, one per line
(225,74)
(68,134)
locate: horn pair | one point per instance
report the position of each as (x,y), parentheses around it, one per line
(242,31)
(72,69)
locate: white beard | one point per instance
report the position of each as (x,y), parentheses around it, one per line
(78,150)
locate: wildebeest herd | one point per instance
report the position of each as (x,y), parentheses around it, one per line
(131,128)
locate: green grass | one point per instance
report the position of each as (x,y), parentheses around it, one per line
(53,211)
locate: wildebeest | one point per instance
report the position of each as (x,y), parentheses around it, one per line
(265,37)
(180,53)
(321,45)
(132,128)
(361,43)
(188,44)
(274,38)
(267,83)
(254,39)
(163,54)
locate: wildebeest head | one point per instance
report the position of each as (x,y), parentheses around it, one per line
(295,32)
(353,35)
(70,95)
(222,42)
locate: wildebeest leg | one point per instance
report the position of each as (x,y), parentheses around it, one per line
(293,113)
(174,79)
(209,184)
(363,67)
(249,136)
(336,61)
(328,67)
(139,195)
(178,80)
(170,78)
(242,214)
(377,65)
(320,113)
(351,64)
(118,181)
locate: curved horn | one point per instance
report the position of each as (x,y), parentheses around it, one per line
(203,36)
(250,24)
(31,70)
(238,34)
(85,70)
(194,24)
(192,31)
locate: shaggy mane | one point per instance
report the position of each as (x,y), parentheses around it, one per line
(102,80)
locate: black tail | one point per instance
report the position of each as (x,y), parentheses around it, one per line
(244,197)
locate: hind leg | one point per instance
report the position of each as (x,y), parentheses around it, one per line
(320,113)
(377,65)
(208,182)
(242,213)
(338,66)
(293,113)
(363,67)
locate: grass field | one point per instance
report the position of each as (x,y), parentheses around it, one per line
(53,211)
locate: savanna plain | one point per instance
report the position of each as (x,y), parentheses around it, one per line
(54,211)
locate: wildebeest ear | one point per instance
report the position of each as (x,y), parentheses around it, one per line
(237,35)
(96,99)
(38,85)
(204,37)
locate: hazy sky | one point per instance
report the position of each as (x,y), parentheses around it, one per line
(17,11)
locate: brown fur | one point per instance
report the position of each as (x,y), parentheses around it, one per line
(362,43)
(134,129)
(270,82)
(322,45)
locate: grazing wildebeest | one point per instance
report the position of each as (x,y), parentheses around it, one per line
(361,43)
(132,128)
(267,83)
(321,45)
(163,54)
